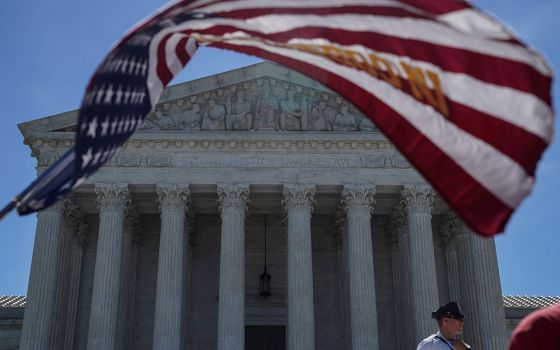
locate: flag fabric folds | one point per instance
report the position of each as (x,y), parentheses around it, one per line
(458,94)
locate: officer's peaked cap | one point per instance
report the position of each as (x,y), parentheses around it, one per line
(450,310)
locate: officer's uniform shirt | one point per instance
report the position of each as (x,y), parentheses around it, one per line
(435,342)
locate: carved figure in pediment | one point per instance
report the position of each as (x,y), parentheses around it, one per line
(215,118)
(239,115)
(266,111)
(149,123)
(366,125)
(318,119)
(191,119)
(167,122)
(344,120)
(304,114)
(291,113)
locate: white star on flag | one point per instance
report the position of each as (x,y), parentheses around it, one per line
(92,128)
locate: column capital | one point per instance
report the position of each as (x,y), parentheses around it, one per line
(418,198)
(399,220)
(190,224)
(80,239)
(396,226)
(132,219)
(358,198)
(457,227)
(233,197)
(74,222)
(341,224)
(173,197)
(73,216)
(299,196)
(112,196)
(448,231)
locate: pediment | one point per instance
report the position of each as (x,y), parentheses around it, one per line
(264,96)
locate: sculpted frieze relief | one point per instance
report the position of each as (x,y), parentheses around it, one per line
(260,104)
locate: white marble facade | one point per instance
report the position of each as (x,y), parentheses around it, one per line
(163,247)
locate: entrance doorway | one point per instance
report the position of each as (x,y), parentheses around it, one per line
(265,338)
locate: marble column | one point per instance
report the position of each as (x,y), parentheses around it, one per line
(467,281)
(78,243)
(112,200)
(401,261)
(298,200)
(481,290)
(137,233)
(491,319)
(69,226)
(344,305)
(358,202)
(418,200)
(392,241)
(448,244)
(41,292)
(233,201)
(167,321)
(73,219)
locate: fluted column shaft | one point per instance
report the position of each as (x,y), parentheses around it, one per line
(74,285)
(233,199)
(167,322)
(408,340)
(358,200)
(489,294)
(418,200)
(298,201)
(467,283)
(60,305)
(136,239)
(396,275)
(398,239)
(448,245)
(72,221)
(484,298)
(112,200)
(41,292)
(344,299)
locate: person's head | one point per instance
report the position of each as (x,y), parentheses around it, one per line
(450,319)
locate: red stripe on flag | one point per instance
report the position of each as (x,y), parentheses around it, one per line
(324,11)
(439,7)
(181,50)
(490,69)
(163,72)
(479,208)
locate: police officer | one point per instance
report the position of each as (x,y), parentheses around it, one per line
(450,323)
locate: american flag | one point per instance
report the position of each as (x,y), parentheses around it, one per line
(458,94)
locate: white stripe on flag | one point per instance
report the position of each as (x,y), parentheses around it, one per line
(426,31)
(286,4)
(191,47)
(519,108)
(417,29)
(530,113)
(173,62)
(476,23)
(493,170)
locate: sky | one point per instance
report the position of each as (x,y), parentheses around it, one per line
(49,50)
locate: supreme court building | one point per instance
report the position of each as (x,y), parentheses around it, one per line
(164,247)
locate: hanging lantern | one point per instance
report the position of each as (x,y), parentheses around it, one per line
(265,277)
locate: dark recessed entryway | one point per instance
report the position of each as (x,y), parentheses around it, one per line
(265,338)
